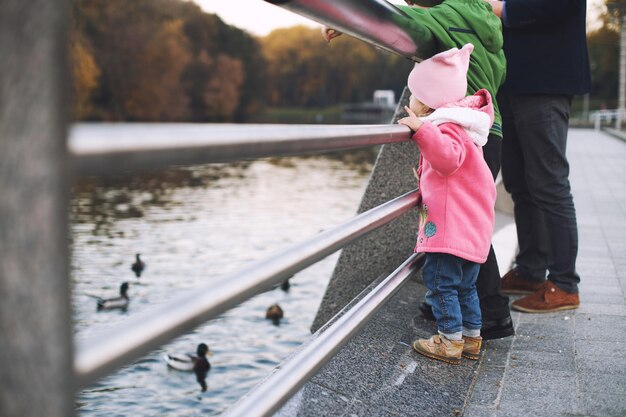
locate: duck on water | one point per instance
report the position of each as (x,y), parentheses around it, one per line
(274,313)
(138,266)
(188,362)
(120,302)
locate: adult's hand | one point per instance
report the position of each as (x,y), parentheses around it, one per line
(496,6)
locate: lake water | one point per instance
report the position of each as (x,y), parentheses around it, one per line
(191,225)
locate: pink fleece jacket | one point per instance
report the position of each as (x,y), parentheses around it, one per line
(458,192)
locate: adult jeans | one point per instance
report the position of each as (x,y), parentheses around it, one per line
(535,171)
(451,283)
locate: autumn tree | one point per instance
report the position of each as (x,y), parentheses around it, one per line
(85,74)
(223,90)
(226,62)
(244,47)
(141,58)
(156,93)
(303,70)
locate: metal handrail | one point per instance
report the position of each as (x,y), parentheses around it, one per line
(267,397)
(141,333)
(109,148)
(376,22)
(609,115)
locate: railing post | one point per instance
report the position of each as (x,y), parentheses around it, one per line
(35,319)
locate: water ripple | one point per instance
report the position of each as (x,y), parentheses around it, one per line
(192,225)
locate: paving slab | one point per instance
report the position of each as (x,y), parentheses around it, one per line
(573,363)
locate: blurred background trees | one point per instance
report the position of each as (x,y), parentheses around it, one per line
(604,47)
(167,60)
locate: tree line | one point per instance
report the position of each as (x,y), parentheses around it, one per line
(167,60)
(161,60)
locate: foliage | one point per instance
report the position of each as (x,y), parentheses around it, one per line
(603,57)
(85,74)
(613,11)
(303,70)
(604,47)
(160,60)
(223,89)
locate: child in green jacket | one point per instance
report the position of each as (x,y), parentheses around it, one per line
(455,23)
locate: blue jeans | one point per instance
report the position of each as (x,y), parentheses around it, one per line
(451,283)
(535,171)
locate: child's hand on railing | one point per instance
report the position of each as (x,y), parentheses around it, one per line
(412,121)
(329,33)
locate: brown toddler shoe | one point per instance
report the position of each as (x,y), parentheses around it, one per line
(547,299)
(512,283)
(440,348)
(471,347)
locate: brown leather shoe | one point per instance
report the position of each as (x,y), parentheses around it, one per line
(471,347)
(547,299)
(512,283)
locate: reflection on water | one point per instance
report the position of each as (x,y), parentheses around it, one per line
(191,225)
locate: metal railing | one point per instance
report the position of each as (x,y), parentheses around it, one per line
(376,22)
(33,133)
(156,145)
(608,115)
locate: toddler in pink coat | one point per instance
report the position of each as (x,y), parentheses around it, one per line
(456,215)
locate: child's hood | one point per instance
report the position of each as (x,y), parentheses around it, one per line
(488,30)
(473,113)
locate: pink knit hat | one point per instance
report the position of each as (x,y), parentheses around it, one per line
(442,78)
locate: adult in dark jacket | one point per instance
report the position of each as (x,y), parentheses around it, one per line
(547,64)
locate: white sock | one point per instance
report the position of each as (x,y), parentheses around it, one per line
(456,336)
(471,332)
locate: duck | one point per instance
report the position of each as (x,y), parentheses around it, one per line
(138,266)
(285,285)
(188,362)
(274,313)
(120,302)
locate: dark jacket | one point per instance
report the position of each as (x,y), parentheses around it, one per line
(546,47)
